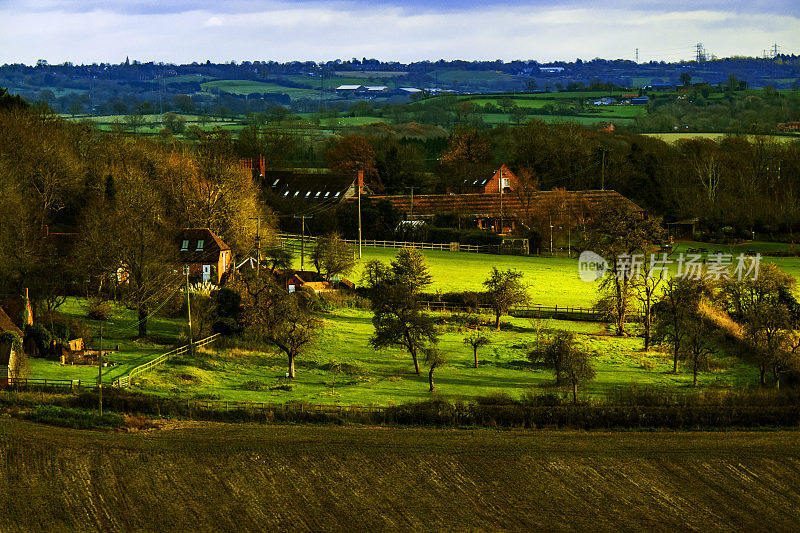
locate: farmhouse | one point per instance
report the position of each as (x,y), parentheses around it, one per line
(505,213)
(503,180)
(205,254)
(7,351)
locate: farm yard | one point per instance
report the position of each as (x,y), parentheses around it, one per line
(224,477)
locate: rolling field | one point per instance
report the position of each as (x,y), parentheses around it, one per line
(673,137)
(385,377)
(204,477)
(249,87)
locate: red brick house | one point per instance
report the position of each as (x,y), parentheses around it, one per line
(206,255)
(503,180)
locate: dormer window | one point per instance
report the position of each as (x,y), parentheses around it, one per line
(286,193)
(336,195)
(317,195)
(274,183)
(308,194)
(185,245)
(327,193)
(200,244)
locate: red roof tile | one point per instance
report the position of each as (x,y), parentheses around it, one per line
(489,205)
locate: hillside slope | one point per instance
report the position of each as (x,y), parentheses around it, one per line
(248,477)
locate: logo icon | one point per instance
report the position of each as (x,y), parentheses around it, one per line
(591,266)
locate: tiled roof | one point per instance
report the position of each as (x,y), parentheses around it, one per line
(212,246)
(488,205)
(6,324)
(288,184)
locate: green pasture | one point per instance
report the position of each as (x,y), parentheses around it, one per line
(118,336)
(470,77)
(383,377)
(673,137)
(248,87)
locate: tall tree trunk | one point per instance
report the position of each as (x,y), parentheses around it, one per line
(575,392)
(142,323)
(762,371)
(694,373)
(416,363)
(475,353)
(675,358)
(497,321)
(430,378)
(646,331)
(291,366)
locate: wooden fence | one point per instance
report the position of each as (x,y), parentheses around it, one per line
(291,240)
(530,311)
(125,381)
(44,383)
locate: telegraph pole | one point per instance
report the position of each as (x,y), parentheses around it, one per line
(360,186)
(303,239)
(603,173)
(411,214)
(189,314)
(258,243)
(100,371)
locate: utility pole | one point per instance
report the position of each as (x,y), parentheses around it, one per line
(189,314)
(302,239)
(258,243)
(360,186)
(411,214)
(100,371)
(603,172)
(550,222)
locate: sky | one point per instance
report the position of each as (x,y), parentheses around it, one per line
(94,31)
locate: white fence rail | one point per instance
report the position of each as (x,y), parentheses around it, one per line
(125,380)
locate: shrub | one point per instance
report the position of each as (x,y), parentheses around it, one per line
(252,385)
(98,309)
(74,418)
(65,328)
(40,337)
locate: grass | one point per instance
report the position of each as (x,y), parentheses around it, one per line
(119,331)
(249,87)
(386,377)
(673,137)
(238,477)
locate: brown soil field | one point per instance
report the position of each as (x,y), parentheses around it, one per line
(240,477)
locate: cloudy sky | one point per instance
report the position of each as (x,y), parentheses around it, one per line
(86,31)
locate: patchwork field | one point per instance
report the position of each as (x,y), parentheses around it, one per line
(228,477)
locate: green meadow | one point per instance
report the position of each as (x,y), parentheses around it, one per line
(233,371)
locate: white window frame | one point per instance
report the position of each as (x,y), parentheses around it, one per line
(200,245)
(185,245)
